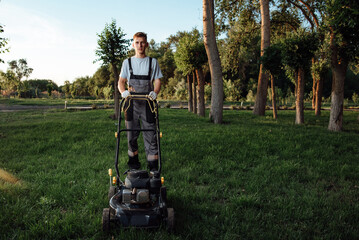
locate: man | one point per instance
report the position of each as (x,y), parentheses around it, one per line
(142,75)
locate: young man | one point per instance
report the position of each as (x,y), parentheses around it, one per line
(142,75)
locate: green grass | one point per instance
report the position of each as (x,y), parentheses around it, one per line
(162,103)
(250,178)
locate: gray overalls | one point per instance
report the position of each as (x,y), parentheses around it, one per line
(140,110)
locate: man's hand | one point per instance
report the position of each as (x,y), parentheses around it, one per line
(152,95)
(125,94)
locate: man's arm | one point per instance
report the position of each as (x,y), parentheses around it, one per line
(122,84)
(157,86)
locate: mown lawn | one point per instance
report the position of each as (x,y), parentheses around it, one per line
(250,178)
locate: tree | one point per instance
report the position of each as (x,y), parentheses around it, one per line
(190,56)
(41,84)
(200,58)
(102,78)
(261,97)
(284,19)
(112,49)
(3,43)
(82,86)
(271,60)
(312,12)
(33,87)
(50,88)
(190,94)
(340,17)
(229,12)
(66,88)
(107,92)
(165,57)
(320,67)
(194,88)
(216,114)
(240,53)
(21,69)
(297,51)
(343,23)
(182,59)
(8,81)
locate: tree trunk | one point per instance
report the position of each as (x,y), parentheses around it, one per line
(337,97)
(339,69)
(299,103)
(296,84)
(261,97)
(315,86)
(314,91)
(274,97)
(194,88)
(200,94)
(209,37)
(116,93)
(319,95)
(190,98)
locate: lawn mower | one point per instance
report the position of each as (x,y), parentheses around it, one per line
(139,201)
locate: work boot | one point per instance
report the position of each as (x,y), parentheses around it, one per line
(133,162)
(153,165)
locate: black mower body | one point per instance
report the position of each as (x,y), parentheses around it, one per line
(139,201)
(146,215)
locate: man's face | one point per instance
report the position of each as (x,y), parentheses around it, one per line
(140,45)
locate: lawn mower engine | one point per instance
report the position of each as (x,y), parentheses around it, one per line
(141,188)
(140,201)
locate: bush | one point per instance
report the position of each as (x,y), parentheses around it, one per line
(355,98)
(107,92)
(250,96)
(56,94)
(168,92)
(167,105)
(181,90)
(231,90)
(234,107)
(207,92)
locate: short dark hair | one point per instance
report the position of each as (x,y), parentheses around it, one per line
(140,34)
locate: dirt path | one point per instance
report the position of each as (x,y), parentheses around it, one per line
(14,108)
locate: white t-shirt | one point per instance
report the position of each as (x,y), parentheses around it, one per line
(140,67)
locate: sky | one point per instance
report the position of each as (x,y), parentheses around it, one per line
(58,38)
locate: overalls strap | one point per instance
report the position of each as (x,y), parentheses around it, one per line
(140,77)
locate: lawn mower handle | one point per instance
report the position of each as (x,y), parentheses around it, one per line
(144,97)
(134,95)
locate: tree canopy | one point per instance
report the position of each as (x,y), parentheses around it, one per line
(190,52)
(112,49)
(112,45)
(3,43)
(20,68)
